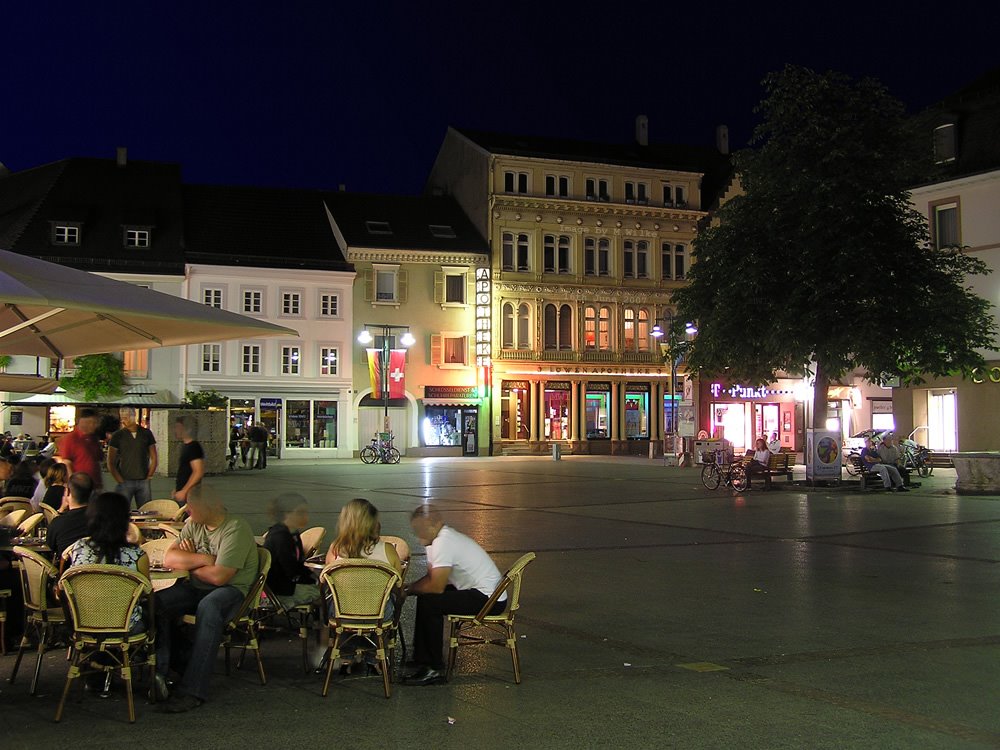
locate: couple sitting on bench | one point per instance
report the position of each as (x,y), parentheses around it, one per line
(759,463)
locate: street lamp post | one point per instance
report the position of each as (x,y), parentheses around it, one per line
(407,340)
(657,333)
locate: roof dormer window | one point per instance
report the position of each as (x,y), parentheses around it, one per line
(944,143)
(135,237)
(378,227)
(65,234)
(442,231)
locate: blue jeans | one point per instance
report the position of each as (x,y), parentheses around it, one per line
(137,488)
(213,608)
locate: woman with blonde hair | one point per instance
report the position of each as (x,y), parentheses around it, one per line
(56,479)
(358,532)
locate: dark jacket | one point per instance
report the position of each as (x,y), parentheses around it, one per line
(287,558)
(66,529)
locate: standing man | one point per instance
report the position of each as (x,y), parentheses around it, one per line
(80,450)
(460,578)
(132,459)
(191,467)
(258,447)
(219,552)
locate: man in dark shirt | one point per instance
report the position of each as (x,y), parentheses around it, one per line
(191,467)
(132,458)
(258,447)
(71,524)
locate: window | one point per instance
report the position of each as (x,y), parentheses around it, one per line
(558,327)
(673,259)
(515,182)
(311,424)
(515,326)
(136,238)
(556,185)
(329,305)
(385,284)
(291,303)
(253,301)
(328,358)
(556,254)
(668,195)
(443,231)
(642,193)
(597,189)
(636,330)
(454,287)
(66,234)
(450,285)
(378,227)
(136,363)
(630,192)
(251,359)
(290,360)
(679,200)
(597,257)
(211,357)
(211,296)
(946,232)
(944,143)
(515,252)
(597,328)
(630,260)
(449,349)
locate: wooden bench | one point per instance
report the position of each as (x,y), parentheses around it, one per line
(778,465)
(866,475)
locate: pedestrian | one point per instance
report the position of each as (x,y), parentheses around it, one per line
(132,459)
(258,447)
(191,466)
(80,450)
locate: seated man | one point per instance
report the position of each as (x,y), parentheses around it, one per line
(758,463)
(871,460)
(774,445)
(888,454)
(219,552)
(72,523)
(460,578)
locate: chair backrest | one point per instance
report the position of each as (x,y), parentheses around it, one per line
(101,598)
(49,512)
(171,532)
(36,572)
(251,601)
(162,508)
(312,539)
(13,519)
(29,524)
(15,502)
(181,514)
(134,535)
(359,590)
(155,549)
(402,550)
(511,583)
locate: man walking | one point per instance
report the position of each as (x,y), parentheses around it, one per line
(80,450)
(258,447)
(219,552)
(460,578)
(191,467)
(132,459)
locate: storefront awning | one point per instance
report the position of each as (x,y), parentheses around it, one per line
(134,396)
(450,401)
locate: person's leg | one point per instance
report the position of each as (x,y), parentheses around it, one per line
(893,472)
(428,630)
(143,492)
(214,611)
(881,470)
(170,604)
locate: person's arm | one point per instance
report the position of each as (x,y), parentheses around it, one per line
(215,575)
(112,463)
(235,549)
(197,472)
(181,555)
(153,461)
(331,555)
(433,583)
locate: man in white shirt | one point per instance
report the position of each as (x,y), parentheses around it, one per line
(774,445)
(460,578)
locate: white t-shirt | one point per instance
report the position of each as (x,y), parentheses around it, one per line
(471,567)
(762,457)
(774,446)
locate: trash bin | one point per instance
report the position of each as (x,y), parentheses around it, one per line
(556,451)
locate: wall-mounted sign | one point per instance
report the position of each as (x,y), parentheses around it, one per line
(270,403)
(637,388)
(557,385)
(981,375)
(880,406)
(451,391)
(484,318)
(513,385)
(599,386)
(745,391)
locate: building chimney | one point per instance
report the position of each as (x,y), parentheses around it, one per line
(642,130)
(342,187)
(121,156)
(722,139)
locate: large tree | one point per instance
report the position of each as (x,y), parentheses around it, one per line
(821,265)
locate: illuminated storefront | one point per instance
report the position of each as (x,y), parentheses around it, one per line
(741,414)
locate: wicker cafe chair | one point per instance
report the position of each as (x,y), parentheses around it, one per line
(297,619)
(155,549)
(13,518)
(162,508)
(181,514)
(4,596)
(499,627)
(403,551)
(36,573)
(359,590)
(246,623)
(169,532)
(16,502)
(100,600)
(312,539)
(28,526)
(49,512)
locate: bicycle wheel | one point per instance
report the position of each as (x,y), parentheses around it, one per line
(391,456)
(368,455)
(711,477)
(924,471)
(738,478)
(851,466)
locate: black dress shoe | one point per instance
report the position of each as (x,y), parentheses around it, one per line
(425,676)
(179,704)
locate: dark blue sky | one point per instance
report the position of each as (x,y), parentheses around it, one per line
(314,94)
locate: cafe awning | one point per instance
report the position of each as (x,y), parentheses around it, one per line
(450,401)
(140,396)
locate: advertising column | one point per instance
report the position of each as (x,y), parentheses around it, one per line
(822,456)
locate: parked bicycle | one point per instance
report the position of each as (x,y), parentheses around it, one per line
(719,469)
(380,451)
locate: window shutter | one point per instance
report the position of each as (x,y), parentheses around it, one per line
(401,285)
(470,350)
(368,284)
(437,347)
(439,287)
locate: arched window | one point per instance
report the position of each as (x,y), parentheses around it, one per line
(551,327)
(515,325)
(604,329)
(629,340)
(558,323)
(642,260)
(565,327)
(589,327)
(523,326)
(507,326)
(642,332)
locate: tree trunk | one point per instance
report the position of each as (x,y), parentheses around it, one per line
(821,395)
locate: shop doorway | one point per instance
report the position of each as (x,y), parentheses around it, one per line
(470,429)
(942,421)
(766,420)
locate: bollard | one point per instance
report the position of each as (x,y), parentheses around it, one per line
(556,451)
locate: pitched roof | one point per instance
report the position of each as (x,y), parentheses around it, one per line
(414,222)
(104,198)
(975,111)
(260,227)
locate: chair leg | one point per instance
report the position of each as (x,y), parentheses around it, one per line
(43,636)
(127,677)
(260,660)
(72,674)
(383,664)
(452,650)
(20,653)
(515,657)
(331,660)
(304,637)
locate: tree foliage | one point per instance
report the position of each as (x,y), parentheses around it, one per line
(96,376)
(204,399)
(822,265)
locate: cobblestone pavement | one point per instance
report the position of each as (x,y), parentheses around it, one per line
(658,614)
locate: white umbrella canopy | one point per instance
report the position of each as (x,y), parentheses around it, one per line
(15,383)
(48,310)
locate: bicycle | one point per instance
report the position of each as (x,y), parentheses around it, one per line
(718,470)
(380,450)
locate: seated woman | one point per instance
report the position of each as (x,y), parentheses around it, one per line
(22,481)
(55,485)
(289,579)
(758,463)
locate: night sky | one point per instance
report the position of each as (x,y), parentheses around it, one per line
(315,94)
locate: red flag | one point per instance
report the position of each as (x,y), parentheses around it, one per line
(375,372)
(397,373)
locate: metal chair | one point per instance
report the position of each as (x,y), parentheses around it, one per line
(359,590)
(101,600)
(500,626)
(36,574)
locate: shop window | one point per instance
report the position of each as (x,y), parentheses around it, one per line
(636,415)
(311,424)
(324,434)
(297,423)
(556,414)
(596,412)
(442,426)
(515,410)
(558,327)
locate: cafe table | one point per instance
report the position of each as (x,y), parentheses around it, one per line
(163,578)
